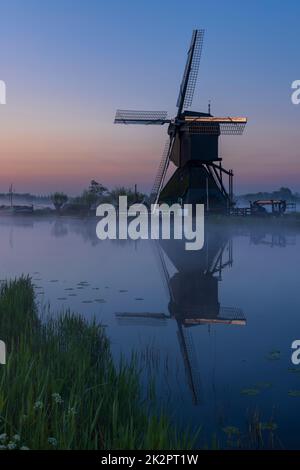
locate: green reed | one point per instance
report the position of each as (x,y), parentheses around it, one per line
(60,388)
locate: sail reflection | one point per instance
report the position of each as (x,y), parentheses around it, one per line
(191,280)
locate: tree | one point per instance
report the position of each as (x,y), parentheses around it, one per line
(285,192)
(132,196)
(93,194)
(97,188)
(58,199)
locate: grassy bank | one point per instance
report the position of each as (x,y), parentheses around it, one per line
(61,390)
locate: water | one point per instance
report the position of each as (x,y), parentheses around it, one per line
(214,328)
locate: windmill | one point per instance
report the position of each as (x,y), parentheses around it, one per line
(192,145)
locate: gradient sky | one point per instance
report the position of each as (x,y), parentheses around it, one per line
(69,64)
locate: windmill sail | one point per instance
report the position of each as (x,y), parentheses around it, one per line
(161,172)
(215,125)
(187,87)
(126,116)
(190,362)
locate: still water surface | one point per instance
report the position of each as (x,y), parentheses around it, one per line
(213,328)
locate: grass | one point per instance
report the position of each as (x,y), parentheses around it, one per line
(61,390)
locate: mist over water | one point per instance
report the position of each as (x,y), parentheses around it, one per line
(213,328)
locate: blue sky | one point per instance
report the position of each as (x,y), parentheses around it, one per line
(69,64)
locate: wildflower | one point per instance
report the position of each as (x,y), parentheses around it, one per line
(38,405)
(11,445)
(16,438)
(52,441)
(72,411)
(3,437)
(57,398)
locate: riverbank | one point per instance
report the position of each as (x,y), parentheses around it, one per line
(61,390)
(286,220)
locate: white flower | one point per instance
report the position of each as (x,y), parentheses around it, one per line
(38,405)
(24,448)
(3,437)
(2,447)
(57,398)
(72,411)
(16,438)
(11,446)
(52,441)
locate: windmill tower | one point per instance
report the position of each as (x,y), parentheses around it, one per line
(192,145)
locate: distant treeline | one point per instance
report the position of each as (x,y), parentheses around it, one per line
(85,202)
(27,197)
(282,193)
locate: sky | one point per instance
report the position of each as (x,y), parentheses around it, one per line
(69,64)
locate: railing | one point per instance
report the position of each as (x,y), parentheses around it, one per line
(240,211)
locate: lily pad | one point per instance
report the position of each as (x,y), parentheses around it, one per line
(250,391)
(294,393)
(273,355)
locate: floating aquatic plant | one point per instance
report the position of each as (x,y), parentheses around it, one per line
(294,393)
(250,391)
(273,355)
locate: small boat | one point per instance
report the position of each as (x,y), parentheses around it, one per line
(21,209)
